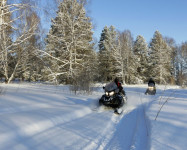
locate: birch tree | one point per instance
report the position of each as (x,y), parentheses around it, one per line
(5,40)
(13,53)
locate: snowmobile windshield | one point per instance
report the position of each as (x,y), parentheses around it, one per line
(111,87)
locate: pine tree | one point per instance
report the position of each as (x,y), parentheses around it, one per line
(116,54)
(181,65)
(128,60)
(141,53)
(104,56)
(110,65)
(172,44)
(69,42)
(160,59)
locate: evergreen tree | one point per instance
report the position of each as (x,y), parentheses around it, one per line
(141,53)
(181,65)
(69,44)
(128,60)
(115,55)
(160,59)
(105,65)
(172,44)
(31,64)
(110,65)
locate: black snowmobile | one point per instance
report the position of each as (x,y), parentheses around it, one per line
(112,97)
(151,90)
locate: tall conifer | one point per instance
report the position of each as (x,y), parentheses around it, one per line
(160,59)
(69,42)
(141,53)
(110,65)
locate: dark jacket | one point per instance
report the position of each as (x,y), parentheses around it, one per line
(120,87)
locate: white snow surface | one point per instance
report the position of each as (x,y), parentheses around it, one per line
(48,117)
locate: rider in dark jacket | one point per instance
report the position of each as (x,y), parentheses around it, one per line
(116,80)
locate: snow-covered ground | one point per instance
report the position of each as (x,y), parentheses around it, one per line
(47,117)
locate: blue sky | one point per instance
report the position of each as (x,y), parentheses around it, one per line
(142,17)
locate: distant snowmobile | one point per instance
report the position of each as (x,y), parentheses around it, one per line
(151,90)
(112,97)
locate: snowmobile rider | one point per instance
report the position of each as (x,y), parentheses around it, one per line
(116,80)
(151,81)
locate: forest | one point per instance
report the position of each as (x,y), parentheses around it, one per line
(69,54)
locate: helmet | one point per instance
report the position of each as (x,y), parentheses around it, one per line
(116,80)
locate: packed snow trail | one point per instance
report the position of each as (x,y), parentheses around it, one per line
(44,117)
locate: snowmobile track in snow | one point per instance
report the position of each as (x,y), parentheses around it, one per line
(109,130)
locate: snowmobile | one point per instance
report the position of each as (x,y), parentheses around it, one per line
(151,90)
(112,97)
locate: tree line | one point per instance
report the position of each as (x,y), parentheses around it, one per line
(68,53)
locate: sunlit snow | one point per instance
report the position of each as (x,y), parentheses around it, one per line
(47,117)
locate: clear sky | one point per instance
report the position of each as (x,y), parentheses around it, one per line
(142,17)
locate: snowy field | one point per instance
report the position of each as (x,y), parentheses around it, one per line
(47,117)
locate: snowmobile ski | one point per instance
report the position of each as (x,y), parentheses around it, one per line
(118,111)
